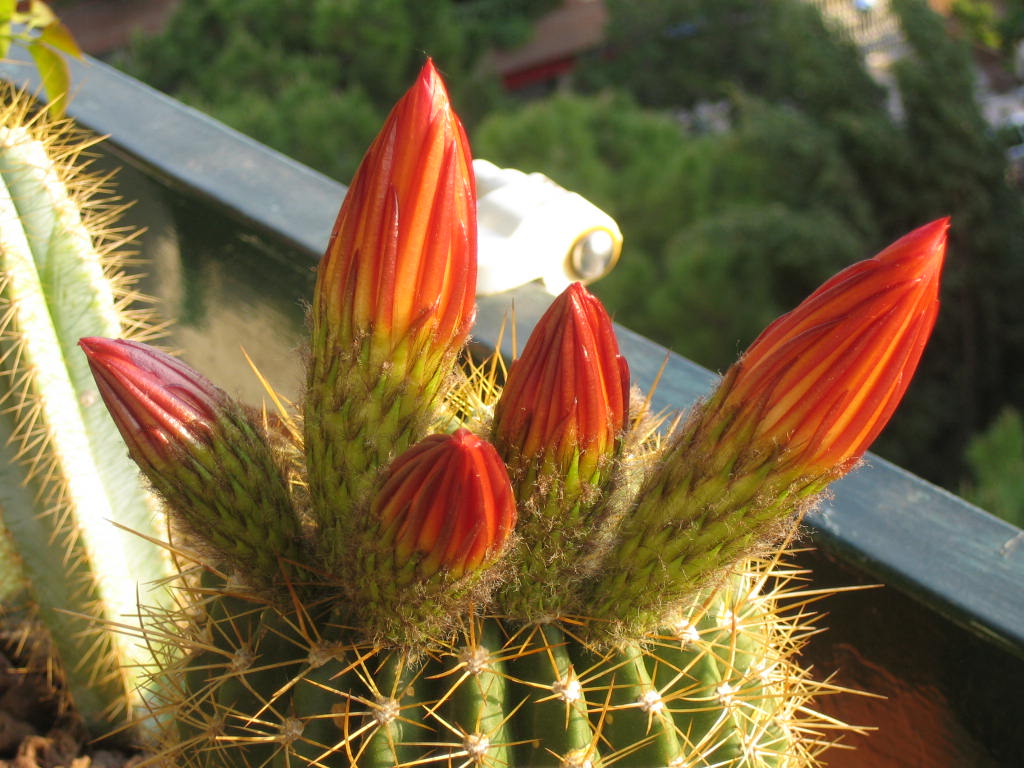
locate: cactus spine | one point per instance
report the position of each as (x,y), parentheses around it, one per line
(64,475)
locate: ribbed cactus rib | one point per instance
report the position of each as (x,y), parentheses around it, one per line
(65,475)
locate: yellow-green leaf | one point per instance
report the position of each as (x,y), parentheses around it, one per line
(57,35)
(53,71)
(41,15)
(6,13)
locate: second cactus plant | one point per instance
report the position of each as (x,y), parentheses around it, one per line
(404,575)
(64,476)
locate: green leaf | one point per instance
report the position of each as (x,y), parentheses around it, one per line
(57,35)
(6,13)
(53,71)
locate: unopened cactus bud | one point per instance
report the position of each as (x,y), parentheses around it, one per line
(159,404)
(447,504)
(400,267)
(393,304)
(566,400)
(202,452)
(559,424)
(824,379)
(796,412)
(444,514)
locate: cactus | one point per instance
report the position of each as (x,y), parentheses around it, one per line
(64,476)
(428,567)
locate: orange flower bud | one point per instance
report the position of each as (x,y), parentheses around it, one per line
(448,500)
(795,412)
(823,380)
(568,393)
(393,305)
(401,262)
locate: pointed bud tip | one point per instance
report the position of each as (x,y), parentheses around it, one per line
(428,72)
(923,250)
(91,344)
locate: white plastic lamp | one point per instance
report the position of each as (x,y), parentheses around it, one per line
(532,229)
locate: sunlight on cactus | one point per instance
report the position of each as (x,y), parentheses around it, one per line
(376,584)
(63,474)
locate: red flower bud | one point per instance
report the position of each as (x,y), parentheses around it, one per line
(203,453)
(401,262)
(824,379)
(447,499)
(569,391)
(157,402)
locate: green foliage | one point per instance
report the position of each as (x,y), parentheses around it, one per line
(37,28)
(293,73)
(996,461)
(956,167)
(724,231)
(981,22)
(1011,26)
(672,53)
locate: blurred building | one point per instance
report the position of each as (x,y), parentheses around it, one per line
(559,37)
(102,26)
(577,26)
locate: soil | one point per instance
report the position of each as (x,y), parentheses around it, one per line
(34,733)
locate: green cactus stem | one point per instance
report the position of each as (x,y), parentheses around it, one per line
(64,473)
(272,685)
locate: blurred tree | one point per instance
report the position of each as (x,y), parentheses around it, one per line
(314,78)
(672,53)
(955,166)
(996,460)
(981,21)
(724,231)
(1011,28)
